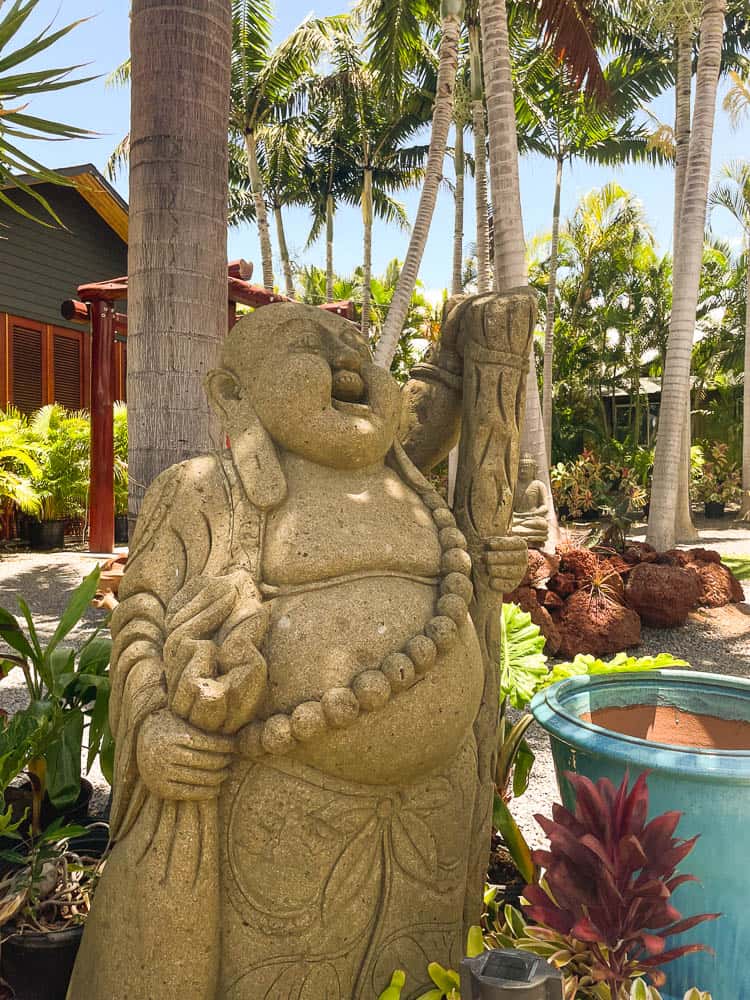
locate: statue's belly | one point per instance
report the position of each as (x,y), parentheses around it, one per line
(322,638)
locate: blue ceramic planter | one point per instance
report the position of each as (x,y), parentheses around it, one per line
(710,787)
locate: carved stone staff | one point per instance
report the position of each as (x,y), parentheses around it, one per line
(494,336)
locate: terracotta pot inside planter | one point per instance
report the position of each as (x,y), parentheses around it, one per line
(666,724)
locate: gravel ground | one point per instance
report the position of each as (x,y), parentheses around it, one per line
(716,640)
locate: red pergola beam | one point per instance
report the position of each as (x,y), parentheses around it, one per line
(78,312)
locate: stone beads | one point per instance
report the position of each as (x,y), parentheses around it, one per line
(372,689)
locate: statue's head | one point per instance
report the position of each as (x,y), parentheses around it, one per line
(527,468)
(309,379)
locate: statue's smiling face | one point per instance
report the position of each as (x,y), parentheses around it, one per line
(314,387)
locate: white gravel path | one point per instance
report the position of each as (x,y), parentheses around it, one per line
(713,640)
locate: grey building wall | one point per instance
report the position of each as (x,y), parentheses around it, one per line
(40,266)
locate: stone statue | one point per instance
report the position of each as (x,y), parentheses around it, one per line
(530,505)
(301,703)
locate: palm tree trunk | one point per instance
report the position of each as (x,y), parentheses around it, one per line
(549,325)
(261,215)
(685,530)
(457,283)
(687,265)
(329,248)
(177,257)
(366,251)
(441,121)
(745,505)
(286,263)
(484,277)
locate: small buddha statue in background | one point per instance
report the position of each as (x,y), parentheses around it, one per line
(530,505)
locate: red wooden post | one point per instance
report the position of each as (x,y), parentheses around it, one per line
(102,492)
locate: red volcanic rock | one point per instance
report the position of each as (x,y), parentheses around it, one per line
(610,579)
(620,565)
(552,601)
(582,563)
(661,594)
(638,552)
(563,584)
(597,625)
(526,599)
(703,555)
(542,565)
(718,586)
(674,557)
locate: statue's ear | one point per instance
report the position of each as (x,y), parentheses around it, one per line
(258,465)
(253,450)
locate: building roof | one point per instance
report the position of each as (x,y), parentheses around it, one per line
(94,188)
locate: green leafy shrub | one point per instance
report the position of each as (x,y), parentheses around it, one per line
(715,478)
(584,664)
(63,441)
(121,458)
(19,463)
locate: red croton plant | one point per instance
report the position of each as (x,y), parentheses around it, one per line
(609,879)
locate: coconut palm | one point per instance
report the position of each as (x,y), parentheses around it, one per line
(263,79)
(18,86)
(687,265)
(450,28)
(177,295)
(732,193)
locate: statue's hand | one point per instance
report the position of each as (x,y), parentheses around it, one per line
(177,761)
(506,557)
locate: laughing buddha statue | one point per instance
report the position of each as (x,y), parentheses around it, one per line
(300,800)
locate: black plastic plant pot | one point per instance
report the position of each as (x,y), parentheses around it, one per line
(714,510)
(39,966)
(44,535)
(121,529)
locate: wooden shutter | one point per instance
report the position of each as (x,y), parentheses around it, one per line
(67,370)
(27,368)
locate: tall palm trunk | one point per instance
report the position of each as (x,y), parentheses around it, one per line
(509,241)
(745,506)
(177,257)
(549,324)
(685,530)
(261,215)
(484,277)
(329,248)
(366,250)
(286,263)
(441,121)
(457,283)
(687,265)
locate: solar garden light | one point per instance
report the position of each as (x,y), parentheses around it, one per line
(506,974)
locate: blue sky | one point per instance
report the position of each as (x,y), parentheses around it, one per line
(103,43)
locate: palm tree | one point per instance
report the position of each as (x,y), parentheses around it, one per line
(737,99)
(450,28)
(263,80)
(561,123)
(177,297)
(687,265)
(733,194)
(17,88)
(484,276)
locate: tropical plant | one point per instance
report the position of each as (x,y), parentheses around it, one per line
(507,928)
(716,479)
(18,86)
(121,457)
(609,875)
(18,465)
(66,687)
(263,80)
(732,193)
(586,665)
(447,981)
(62,480)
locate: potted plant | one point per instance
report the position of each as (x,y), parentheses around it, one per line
(18,466)
(46,878)
(121,473)
(691,733)
(63,439)
(67,688)
(716,479)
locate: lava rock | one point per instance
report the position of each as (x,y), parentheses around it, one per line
(542,565)
(718,585)
(663,595)
(582,563)
(595,624)
(563,584)
(526,599)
